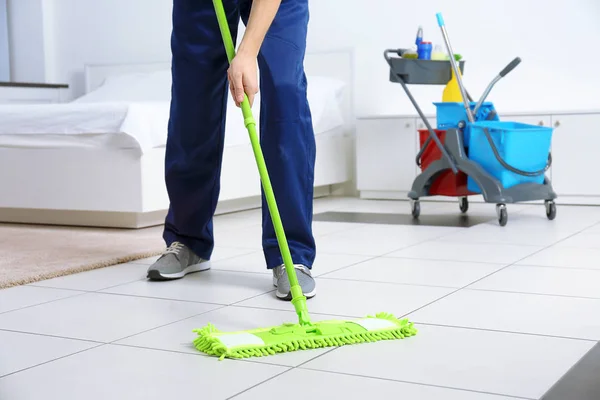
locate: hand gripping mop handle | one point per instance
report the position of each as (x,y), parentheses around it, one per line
(463,91)
(298,298)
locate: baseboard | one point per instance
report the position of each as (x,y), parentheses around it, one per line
(98,219)
(126,220)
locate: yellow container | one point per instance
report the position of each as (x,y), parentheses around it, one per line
(452,91)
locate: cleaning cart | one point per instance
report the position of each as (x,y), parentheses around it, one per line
(471,152)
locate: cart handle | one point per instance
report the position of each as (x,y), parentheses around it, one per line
(510,67)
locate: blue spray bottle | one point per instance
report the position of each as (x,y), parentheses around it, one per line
(419,36)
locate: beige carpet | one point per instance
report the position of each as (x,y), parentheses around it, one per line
(30,253)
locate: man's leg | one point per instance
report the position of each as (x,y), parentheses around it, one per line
(288,141)
(195,135)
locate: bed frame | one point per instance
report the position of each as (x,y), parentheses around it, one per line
(121,188)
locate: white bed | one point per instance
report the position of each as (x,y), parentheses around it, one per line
(99,160)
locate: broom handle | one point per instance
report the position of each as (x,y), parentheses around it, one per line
(298,298)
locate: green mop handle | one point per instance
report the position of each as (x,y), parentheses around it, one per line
(298,298)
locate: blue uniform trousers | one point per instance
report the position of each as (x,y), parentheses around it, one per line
(197,126)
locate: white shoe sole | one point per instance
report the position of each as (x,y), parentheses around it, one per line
(288,296)
(203,266)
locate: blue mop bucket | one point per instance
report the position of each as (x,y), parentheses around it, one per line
(449,114)
(519,153)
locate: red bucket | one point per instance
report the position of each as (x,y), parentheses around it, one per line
(446,183)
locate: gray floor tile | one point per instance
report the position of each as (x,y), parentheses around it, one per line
(255,262)
(25,296)
(179,336)
(242,238)
(99,278)
(593,229)
(480,252)
(544,280)
(577,217)
(220,287)
(322,228)
(417,272)
(327,385)
(23,350)
(491,362)
(386,206)
(564,257)
(358,299)
(515,312)
(99,317)
(459,349)
(445,220)
(477,207)
(517,234)
(237,220)
(583,240)
(119,372)
(377,240)
(581,382)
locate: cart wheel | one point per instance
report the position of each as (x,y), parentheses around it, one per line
(550,210)
(502,214)
(415,208)
(463,204)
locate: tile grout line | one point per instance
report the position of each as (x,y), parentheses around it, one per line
(260,383)
(51,336)
(165,325)
(558,267)
(155,298)
(284,372)
(384,282)
(487,276)
(45,302)
(384,255)
(530,255)
(533,293)
(53,360)
(418,383)
(470,328)
(198,354)
(427,324)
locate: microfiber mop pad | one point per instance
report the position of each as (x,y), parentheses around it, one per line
(305,334)
(293,337)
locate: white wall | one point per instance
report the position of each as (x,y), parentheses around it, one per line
(556,42)
(26,40)
(4,58)
(107,31)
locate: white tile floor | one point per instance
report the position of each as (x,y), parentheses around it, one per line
(502,313)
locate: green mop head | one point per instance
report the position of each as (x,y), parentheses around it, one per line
(293,337)
(304,334)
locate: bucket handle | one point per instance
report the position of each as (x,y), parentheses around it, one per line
(511,168)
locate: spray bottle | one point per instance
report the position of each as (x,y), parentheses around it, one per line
(419,36)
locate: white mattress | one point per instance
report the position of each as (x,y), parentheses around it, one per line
(111,122)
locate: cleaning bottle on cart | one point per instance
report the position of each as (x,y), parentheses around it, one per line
(437,53)
(419,38)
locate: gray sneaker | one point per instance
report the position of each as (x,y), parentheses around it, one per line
(176,262)
(305,279)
